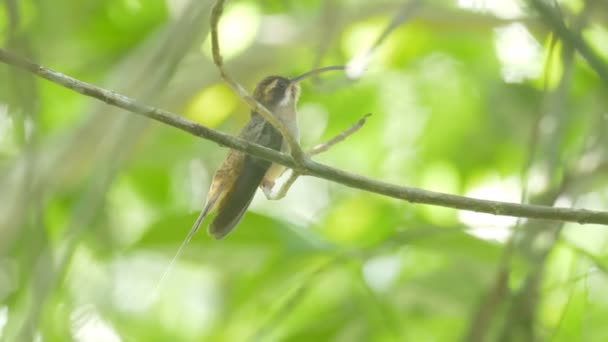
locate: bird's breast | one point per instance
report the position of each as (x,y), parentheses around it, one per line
(287,115)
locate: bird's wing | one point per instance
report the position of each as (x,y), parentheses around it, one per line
(238,196)
(235,203)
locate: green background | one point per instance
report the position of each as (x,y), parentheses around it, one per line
(470,98)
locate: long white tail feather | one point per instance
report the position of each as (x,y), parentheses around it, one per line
(180,250)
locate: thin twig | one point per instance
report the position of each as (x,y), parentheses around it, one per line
(282,192)
(338,138)
(359,63)
(285,187)
(294,147)
(404,13)
(309,167)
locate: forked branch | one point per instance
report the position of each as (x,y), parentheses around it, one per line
(314,151)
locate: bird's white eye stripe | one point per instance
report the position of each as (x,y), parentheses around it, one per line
(267,91)
(286,97)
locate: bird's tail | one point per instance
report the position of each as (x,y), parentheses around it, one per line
(193,230)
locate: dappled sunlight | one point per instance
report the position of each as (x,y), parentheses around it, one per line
(190,299)
(357,65)
(536,180)
(106,162)
(598,38)
(598,198)
(176,7)
(312,122)
(507,9)
(189,182)
(591,238)
(307,198)
(442,177)
(3,319)
(444,88)
(186,301)
(130,214)
(195,185)
(277,29)
(135,279)
(564,201)
(358,43)
(590,161)
(88,278)
(8,143)
(488,226)
(133,5)
(234,38)
(89,326)
(490,231)
(360,37)
(519,53)
(405,119)
(344,226)
(212,105)
(596,287)
(381,272)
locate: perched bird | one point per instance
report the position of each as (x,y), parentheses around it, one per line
(237,179)
(235,182)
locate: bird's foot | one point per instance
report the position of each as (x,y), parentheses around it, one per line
(267,188)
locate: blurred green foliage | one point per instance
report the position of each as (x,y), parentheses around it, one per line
(471,98)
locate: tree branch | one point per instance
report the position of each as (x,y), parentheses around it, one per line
(338,138)
(309,167)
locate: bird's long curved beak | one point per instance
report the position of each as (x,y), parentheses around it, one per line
(316,72)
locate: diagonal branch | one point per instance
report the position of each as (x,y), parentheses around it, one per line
(575,40)
(309,167)
(358,64)
(338,138)
(294,147)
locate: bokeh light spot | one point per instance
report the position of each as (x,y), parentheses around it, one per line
(211,106)
(237,30)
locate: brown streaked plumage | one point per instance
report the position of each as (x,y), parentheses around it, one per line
(236,181)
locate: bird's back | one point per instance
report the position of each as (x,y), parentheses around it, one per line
(241,192)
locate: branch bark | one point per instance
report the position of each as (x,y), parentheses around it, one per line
(308,167)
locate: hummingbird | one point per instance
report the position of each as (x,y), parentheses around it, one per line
(237,179)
